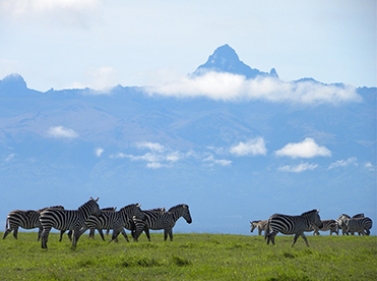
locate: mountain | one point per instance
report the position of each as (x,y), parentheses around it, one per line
(225,59)
(220,157)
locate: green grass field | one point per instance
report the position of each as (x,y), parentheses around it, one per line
(190,256)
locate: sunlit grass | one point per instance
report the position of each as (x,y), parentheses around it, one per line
(190,257)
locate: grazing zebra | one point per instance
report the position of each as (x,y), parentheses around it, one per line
(67,220)
(292,225)
(92,230)
(331,225)
(161,220)
(25,219)
(113,220)
(357,223)
(259,224)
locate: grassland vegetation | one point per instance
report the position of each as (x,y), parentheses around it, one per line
(190,256)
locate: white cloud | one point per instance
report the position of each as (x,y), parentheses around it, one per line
(99,151)
(305,149)
(343,163)
(298,168)
(154,146)
(251,147)
(369,166)
(71,12)
(10,157)
(212,161)
(62,132)
(230,87)
(158,155)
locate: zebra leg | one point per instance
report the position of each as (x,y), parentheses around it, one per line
(61,235)
(15,232)
(170,232)
(75,238)
(146,230)
(100,233)
(91,233)
(44,237)
(303,236)
(125,235)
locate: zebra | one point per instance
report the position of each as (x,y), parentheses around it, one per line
(357,223)
(331,225)
(25,219)
(341,221)
(292,225)
(113,220)
(259,224)
(92,230)
(67,220)
(161,220)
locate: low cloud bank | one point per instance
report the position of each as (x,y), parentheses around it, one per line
(231,87)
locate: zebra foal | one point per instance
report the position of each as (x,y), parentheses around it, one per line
(25,219)
(292,225)
(161,220)
(67,220)
(261,225)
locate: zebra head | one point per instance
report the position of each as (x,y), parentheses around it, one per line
(92,207)
(186,213)
(314,218)
(253,225)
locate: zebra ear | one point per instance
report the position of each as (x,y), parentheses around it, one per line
(138,205)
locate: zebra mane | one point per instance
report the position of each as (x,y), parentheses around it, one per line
(109,209)
(129,206)
(309,212)
(177,207)
(345,215)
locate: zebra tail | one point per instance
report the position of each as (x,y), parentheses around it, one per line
(7,223)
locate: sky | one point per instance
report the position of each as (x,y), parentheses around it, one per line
(99,44)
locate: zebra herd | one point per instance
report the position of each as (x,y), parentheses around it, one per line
(308,222)
(90,216)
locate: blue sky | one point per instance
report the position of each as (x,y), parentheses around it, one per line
(98,44)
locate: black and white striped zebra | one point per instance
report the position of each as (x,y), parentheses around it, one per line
(132,226)
(260,225)
(331,225)
(162,220)
(24,219)
(67,220)
(113,220)
(357,223)
(91,230)
(292,225)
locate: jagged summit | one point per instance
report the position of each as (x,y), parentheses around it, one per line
(225,59)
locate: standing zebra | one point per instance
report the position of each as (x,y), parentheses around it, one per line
(292,225)
(92,230)
(261,225)
(162,220)
(67,220)
(359,224)
(132,226)
(25,219)
(113,220)
(331,225)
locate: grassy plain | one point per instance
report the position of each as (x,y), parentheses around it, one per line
(190,256)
